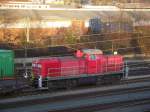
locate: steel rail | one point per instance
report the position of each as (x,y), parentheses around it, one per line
(32,91)
(100,107)
(60,96)
(85,96)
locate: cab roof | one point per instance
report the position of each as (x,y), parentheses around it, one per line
(92,51)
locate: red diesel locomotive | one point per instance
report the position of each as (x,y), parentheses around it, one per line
(88,65)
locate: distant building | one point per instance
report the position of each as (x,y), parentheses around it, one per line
(48,1)
(7,1)
(54,1)
(61,1)
(38,1)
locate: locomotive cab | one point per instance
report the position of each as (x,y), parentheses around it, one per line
(88,53)
(94,60)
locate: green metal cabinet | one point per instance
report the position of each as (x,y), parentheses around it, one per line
(6,64)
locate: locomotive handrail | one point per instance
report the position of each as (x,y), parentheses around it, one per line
(62,71)
(74,68)
(65,67)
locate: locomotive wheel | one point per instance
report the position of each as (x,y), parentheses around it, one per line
(45,83)
(99,81)
(74,83)
(71,84)
(51,86)
(116,80)
(107,80)
(35,83)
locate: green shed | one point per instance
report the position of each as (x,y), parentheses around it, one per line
(6,64)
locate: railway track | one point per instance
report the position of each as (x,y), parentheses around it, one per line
(32,91)
(94,98)
(104,107)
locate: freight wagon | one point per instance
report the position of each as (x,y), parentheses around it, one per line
(6,69)
(96,25)
(87,66)
(6,64)
(8,79)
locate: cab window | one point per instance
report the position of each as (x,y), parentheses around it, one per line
(92,57)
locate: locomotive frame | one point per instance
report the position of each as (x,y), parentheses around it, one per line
(73,81)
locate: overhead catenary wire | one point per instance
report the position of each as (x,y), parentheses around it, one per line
(67,54)
(88,42)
